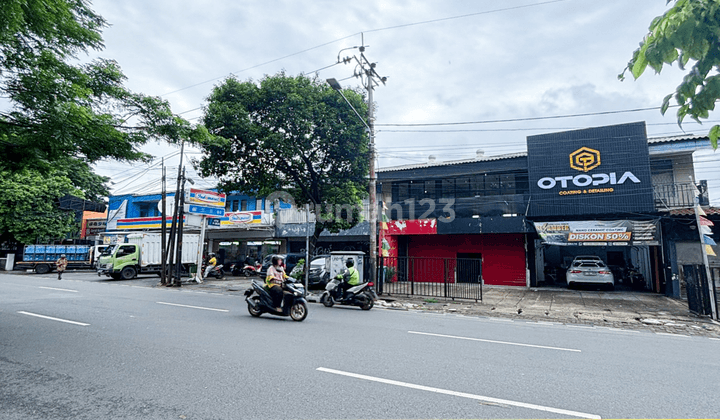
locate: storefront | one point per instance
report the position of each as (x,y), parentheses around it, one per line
(241,235)
(630,248)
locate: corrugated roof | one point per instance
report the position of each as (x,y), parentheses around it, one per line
(653,140)
(710,211)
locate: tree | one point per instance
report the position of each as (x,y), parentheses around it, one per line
(290,134)
(64,115)
(688,31)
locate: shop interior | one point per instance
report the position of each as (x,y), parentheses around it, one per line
(634,268)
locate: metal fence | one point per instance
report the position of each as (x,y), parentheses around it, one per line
(449,278)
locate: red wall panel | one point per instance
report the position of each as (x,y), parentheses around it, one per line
(503,254)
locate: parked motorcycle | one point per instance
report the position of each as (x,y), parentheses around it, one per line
(635,278)
(362,295)
(294,304)
(216,272)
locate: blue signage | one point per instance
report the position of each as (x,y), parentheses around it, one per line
(207,211)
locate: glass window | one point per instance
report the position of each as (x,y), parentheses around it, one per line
(448,188)
(243,205)
(507,184)
(403,191)
(417,190)
(430,189)
(462,187)
(235,205)
(477,185)
(492,184)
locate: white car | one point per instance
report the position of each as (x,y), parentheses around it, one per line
(590,271)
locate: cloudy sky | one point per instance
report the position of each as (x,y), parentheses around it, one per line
(470,61)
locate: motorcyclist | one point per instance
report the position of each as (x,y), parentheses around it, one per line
(350,277)
(274,281)
(211,264)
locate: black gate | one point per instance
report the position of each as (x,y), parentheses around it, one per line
(449,278)
(698,294)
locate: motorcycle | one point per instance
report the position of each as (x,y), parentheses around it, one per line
(216,272)
(635,278)
(362,295)
(250,270)
(294,304)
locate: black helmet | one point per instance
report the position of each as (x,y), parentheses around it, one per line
(349,262)
(276,259)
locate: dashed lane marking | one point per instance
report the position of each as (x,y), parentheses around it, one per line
(55,288)
(462,394)
(194,307)
(495,341)
(82,324)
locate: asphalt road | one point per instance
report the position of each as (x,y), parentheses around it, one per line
(90,348)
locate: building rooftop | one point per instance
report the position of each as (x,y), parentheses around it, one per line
(482,158)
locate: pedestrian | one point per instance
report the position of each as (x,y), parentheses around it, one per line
(61,263)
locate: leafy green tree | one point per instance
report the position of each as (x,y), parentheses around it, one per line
(688,32)
(290,134)
(28,206)
(63,115)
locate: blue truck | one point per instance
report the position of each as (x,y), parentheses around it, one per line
(42,258)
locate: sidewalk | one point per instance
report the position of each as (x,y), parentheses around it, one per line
(628,310)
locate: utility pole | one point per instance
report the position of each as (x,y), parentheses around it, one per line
(365,70)
(163,230)
(173,225)
(181,216)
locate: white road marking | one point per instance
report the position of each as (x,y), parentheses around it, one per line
(462,394)
(54,319)
(716,339)
(55,288)
(672,335)
(193,307)
(495,341)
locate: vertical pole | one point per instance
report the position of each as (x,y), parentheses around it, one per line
(201,243)
(163,230)
(713,309)
(173,224)
(373,192)
(181,216)
(307,245)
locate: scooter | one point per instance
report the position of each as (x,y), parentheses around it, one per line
(216,272)
(362,295)
(294,304)
(251,270)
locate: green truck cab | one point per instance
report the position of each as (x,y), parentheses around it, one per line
(120,261)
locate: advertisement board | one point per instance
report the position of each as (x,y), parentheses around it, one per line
(242,218)
(592,171)
(206,198)
(600,233)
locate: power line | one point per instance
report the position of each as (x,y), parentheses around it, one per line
(367,31)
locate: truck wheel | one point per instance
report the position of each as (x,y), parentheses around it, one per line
(115,276)
(127,273)
(42,268)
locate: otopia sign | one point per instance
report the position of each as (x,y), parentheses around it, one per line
(592,171)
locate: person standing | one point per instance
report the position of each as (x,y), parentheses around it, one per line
(61,264)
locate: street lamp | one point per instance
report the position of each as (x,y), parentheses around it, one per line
(373,193)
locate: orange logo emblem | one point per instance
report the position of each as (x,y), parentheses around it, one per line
(585,159)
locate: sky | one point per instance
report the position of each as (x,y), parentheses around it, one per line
(447,62)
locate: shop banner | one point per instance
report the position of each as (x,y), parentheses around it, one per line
(254,218)
(206,198)
(600,233)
